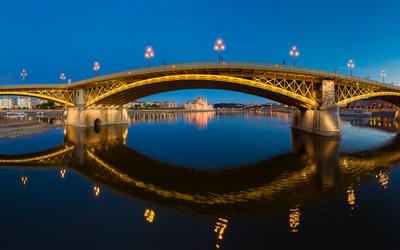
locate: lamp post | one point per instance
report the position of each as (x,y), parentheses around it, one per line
(294,52)
(96,66)
(350,65)
(96,191)
(24,179)
(149,54)
(383,75)
(219,46)
(62,77)
(24,74)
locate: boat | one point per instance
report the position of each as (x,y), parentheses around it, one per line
(356,113)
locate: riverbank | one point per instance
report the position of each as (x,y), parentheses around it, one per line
(34,112)
(18,128)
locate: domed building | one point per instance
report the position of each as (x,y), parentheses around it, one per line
(199,104)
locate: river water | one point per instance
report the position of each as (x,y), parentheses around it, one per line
(202,181)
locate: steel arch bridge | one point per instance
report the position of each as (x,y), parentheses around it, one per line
(293,86)
(317,94)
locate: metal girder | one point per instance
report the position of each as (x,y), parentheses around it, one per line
(285,83)
(62,96)
(298,90)
(59,155)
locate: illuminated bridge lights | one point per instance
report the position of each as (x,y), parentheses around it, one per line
(220,227)
(351,197)
(295,86)
(383,179)
(63,171)
(24,180)
(149,215)
(294,219)
(96,191)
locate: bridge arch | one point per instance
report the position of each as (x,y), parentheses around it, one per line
(384,95)
(139,89)
(47,97)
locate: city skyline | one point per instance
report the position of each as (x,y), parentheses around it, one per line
(326,39)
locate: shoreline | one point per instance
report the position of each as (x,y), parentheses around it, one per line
(20,128)
(14,128)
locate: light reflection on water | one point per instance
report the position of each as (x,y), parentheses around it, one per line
(202,181)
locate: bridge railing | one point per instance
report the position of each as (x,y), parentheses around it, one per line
(284,68)
(243,65)
(249,65)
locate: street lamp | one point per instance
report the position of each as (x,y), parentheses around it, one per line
(149,54)
(96,191)
(96,66)
(351,66)
(24,179)
(62,77)
(294,52)
(63,171)
(383,75)
(219,46)
(24,74)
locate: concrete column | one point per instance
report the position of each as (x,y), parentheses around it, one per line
(84,118)
(80,98)
(328,95)
(323,121)
(89,136)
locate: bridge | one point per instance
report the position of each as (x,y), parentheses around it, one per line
(317,95)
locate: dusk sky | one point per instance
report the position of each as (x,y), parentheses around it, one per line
(50,37)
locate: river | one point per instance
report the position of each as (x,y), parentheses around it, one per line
(202,181)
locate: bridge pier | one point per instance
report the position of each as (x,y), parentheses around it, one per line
(320,122)
(84,117)
(325,120)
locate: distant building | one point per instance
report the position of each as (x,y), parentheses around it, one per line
(133,105)
(199,104)
(167,105)
(6,103)
(152,105)
(371,104)
(24,103)
(36,102)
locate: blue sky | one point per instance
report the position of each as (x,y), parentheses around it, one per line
(49,37)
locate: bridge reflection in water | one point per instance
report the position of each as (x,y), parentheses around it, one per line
(313,169)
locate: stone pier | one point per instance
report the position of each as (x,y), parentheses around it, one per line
(84,118)
(325,120)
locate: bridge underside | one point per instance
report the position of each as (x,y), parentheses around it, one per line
(138,92)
